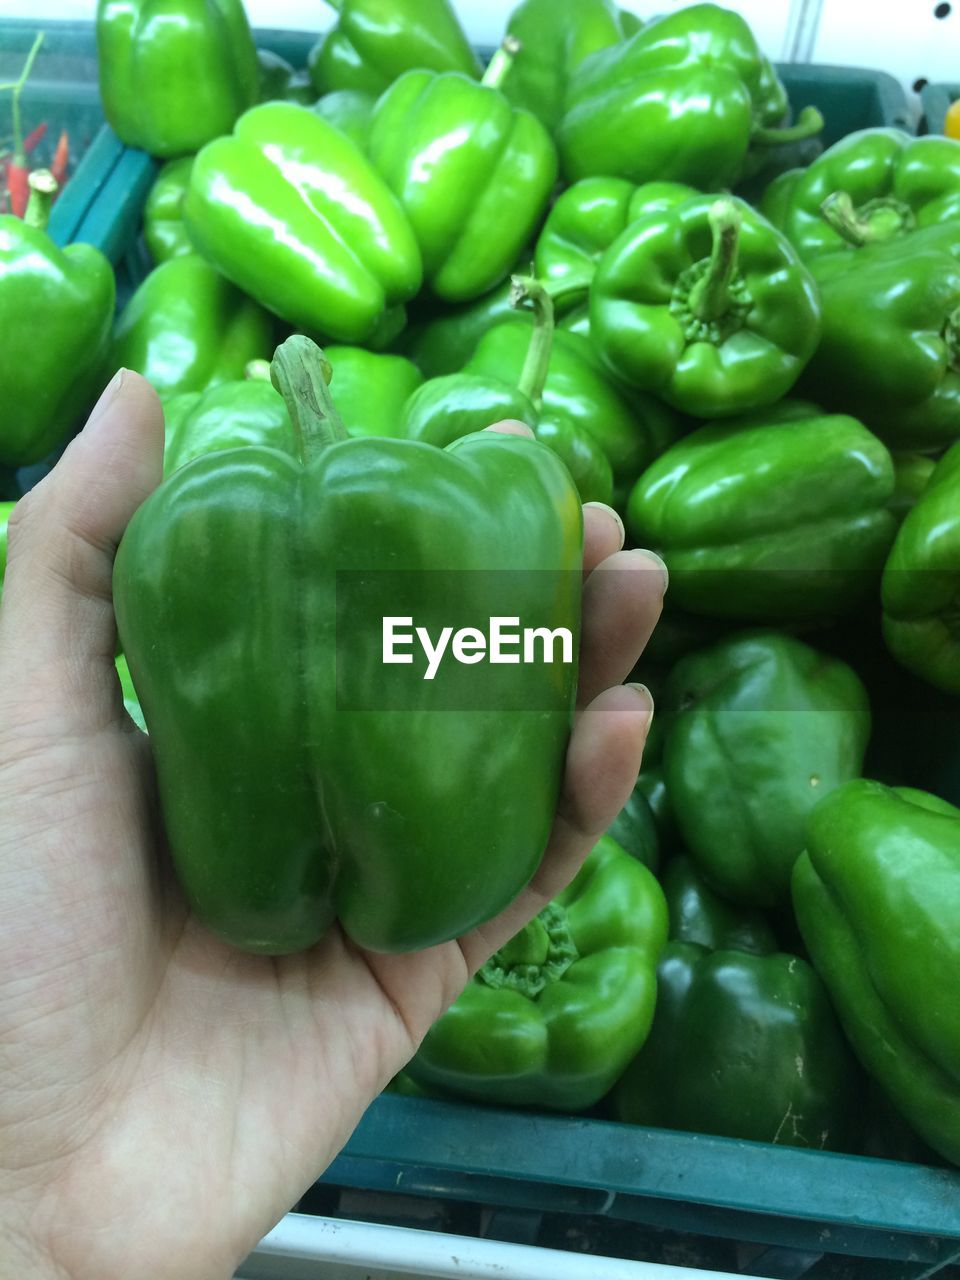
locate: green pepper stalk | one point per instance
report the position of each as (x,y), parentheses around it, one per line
(43,188)
(540,954)
(807,125)
(524,289)
(501,62)
(876,220)
(16,88)
(302,373)
(711,297)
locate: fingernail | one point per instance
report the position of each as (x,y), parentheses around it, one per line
(107,398)
(647,697)
(655,559)
(602,506)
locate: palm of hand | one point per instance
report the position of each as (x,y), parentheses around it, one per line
(163,1098)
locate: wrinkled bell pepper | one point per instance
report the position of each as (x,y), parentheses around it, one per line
(172,77)
(372,44)
(707,306)
(462,162)
(759,728)
(362,803)
(556,1014)
(770,517)
(877,898)
(186,328)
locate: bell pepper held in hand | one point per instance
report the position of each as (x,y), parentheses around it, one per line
(372,44)
(744,1046)
(877,898)
(921,581)
(350,807)
(706,305)
(174,77)
(473,173)
(186,328)
(555,1015)
(57,307)
(289,209)
(759,728)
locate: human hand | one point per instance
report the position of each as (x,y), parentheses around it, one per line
(164,1099)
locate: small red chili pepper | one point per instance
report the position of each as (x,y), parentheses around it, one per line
(18,187)
(61,158)
(34,138)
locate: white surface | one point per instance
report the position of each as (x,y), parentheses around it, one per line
(306,1248)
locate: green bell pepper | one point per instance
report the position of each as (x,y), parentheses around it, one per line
(186,328)
(373,43)
(6,511)
(770,517)
(888,182)
(683,100)
(227,416)
(912,472)
(921,620)
(350,111)
(444,343)
(163,225)
(877,897)
(744,1046)
(463,161)
(555,36)
(706,305)
(172,77)
(57,307)
(362,803)
(777,195)
(698,914)
(556,1014)
(584,222)
(371,389)
(289,209)
(280,81)
(635,830)
(890,349)
(758,729)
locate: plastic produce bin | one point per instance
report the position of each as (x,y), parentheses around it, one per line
(935,100)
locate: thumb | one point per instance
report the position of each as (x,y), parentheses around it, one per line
(57,629)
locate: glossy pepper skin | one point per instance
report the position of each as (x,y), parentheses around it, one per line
(894,183)
(890,349)
(744,1046)
(683,100)
(444,343)
(57,306)
(186,328)
(362,803)
(759,728)
(877,898)
(228,416)
(372,44)
(371,389)
(555,36)
(163,225)
(770,517)
(350,111)
(698,914)
(554,1017)
(461,160)
(584,222)
(707,306)
(921,620)
(175,73)
(289,209)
